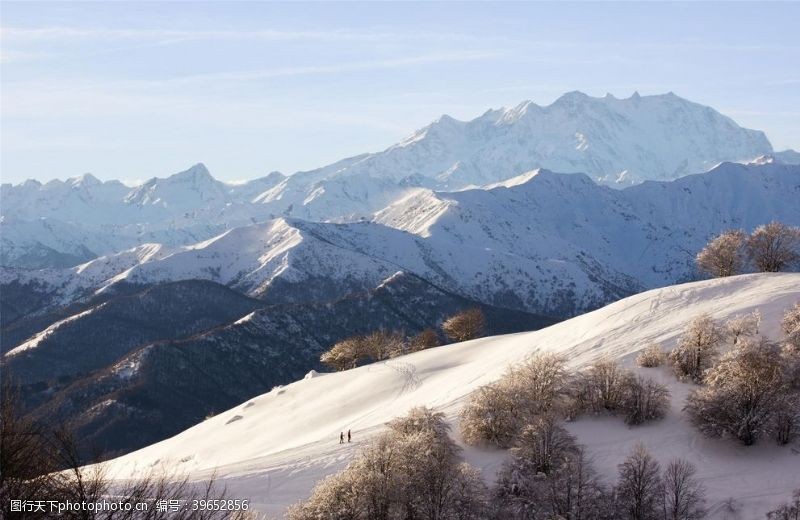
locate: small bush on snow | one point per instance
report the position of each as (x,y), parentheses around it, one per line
(652,356)
(697,348)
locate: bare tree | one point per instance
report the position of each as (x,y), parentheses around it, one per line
(465,325)
(773,247)
(639,488)
(684,495)
(723,255)
(697,348)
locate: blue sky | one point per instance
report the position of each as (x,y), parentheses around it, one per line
(135,90)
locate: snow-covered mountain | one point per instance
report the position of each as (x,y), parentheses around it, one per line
(273,448)
(618,142)
(546,243)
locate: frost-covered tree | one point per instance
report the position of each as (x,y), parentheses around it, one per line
(412,471)
(744,325)
(602,385)
(542,444)
(496,413)
(644,400)
(773,247)
(684,495)
(542,382)
(743,393)
(723,255)
(791,326)
(382,344)
(639,487)
(548,476)
(493,415)
(424,340)
(469,498)
(697,348)
(344,354)
(465,325)
(336,497)
(651,356)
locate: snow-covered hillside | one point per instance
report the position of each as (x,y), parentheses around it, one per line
(547,243)
(615,141)
(273,448)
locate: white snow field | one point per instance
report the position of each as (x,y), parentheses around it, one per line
(274,448)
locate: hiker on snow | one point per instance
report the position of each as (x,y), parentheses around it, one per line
(341,437)
(348,435)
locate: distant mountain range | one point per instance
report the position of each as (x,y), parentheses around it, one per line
(544,243)
(618,142)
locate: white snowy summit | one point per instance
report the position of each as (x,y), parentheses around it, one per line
(617,142)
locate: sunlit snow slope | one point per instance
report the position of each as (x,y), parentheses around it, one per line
(273,448)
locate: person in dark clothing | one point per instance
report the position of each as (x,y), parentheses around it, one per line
(341,437)
(348,435)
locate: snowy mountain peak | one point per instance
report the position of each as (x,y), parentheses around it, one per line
(85,180)
(197,172)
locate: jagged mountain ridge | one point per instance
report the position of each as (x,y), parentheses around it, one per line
(615,141)
(545,243)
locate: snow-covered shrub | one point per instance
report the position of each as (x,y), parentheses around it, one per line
(774,247)
(791,326)
(548,476)
(697,348)
(542,382)
(336,497)
(492,416)
(465,325)
(723,255)
(601,387)
(421,418)
(744,392)
(684,495)
(742,326)
(496,413)
(643,400)
(789,510)
(651,356)
(639,487)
